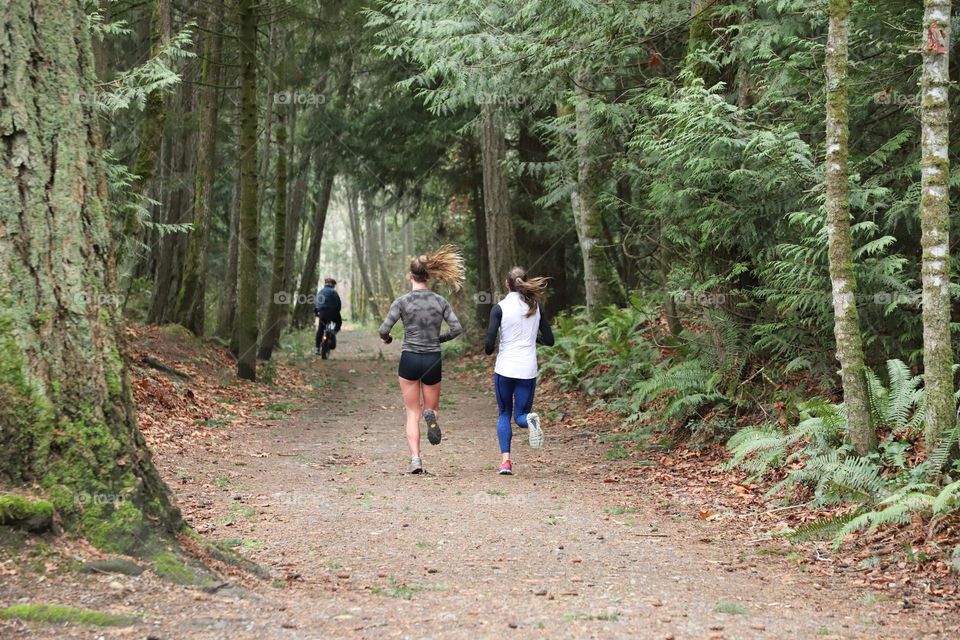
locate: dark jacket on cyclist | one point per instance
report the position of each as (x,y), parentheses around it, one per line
(327,307)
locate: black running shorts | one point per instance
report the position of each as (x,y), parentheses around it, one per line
(424,367)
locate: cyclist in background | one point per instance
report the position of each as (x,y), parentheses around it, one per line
(327,309)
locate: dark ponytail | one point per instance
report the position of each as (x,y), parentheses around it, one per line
(532,290)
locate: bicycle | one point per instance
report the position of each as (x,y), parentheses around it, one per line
(329,340)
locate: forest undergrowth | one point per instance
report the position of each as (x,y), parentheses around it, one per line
(768,445)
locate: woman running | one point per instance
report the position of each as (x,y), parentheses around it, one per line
(422,312)
(522,325)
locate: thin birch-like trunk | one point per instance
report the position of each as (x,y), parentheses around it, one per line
(846,325)
(935,221)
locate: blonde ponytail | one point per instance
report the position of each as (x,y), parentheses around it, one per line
(445,264)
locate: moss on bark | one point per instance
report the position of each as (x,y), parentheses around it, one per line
(839,250)
(32,515)
(67,422)
(940,411)
(58,614)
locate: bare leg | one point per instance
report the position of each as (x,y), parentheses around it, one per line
(410,389)
(431,397)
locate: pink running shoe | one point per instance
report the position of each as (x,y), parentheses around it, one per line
(506,469)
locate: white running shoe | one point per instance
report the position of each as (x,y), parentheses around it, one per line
(536,433)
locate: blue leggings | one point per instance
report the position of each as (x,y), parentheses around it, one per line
(516,395)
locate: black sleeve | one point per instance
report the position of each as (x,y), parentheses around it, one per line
(545,336)
(496,315)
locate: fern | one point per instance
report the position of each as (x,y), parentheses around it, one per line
(942,453)
(824,527)
(897,509)
(948,500)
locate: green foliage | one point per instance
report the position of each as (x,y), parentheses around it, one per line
(883,487)
(130,87)
(603,357)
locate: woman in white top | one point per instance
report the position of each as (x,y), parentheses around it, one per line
(521,324)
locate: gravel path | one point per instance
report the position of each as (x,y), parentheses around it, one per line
(362,550)
(464,553)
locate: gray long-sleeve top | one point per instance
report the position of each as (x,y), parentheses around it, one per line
(422,312)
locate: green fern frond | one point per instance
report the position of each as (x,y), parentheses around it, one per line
(898,513)
(821,528)
(948,500)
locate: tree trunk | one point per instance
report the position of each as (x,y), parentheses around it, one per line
(600,279)
(191,307)
(353,207)
(501,242)
(371,245)
(846,326)
(308,279)
(66,410)
(935,222)
(278,297)
(263,172)
(226,324)
(483,296)
(248,277)
(151,132)
(298,195)
(169,248)
(386,289)
(700,35)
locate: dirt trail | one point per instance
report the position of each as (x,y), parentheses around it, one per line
(363,550)
(464,553)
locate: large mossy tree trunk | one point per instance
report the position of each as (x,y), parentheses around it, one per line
(501,242)
(938,384)
(846,324)
(308,279)
(191,307)
(248,277)
(67,421)
(278,297)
